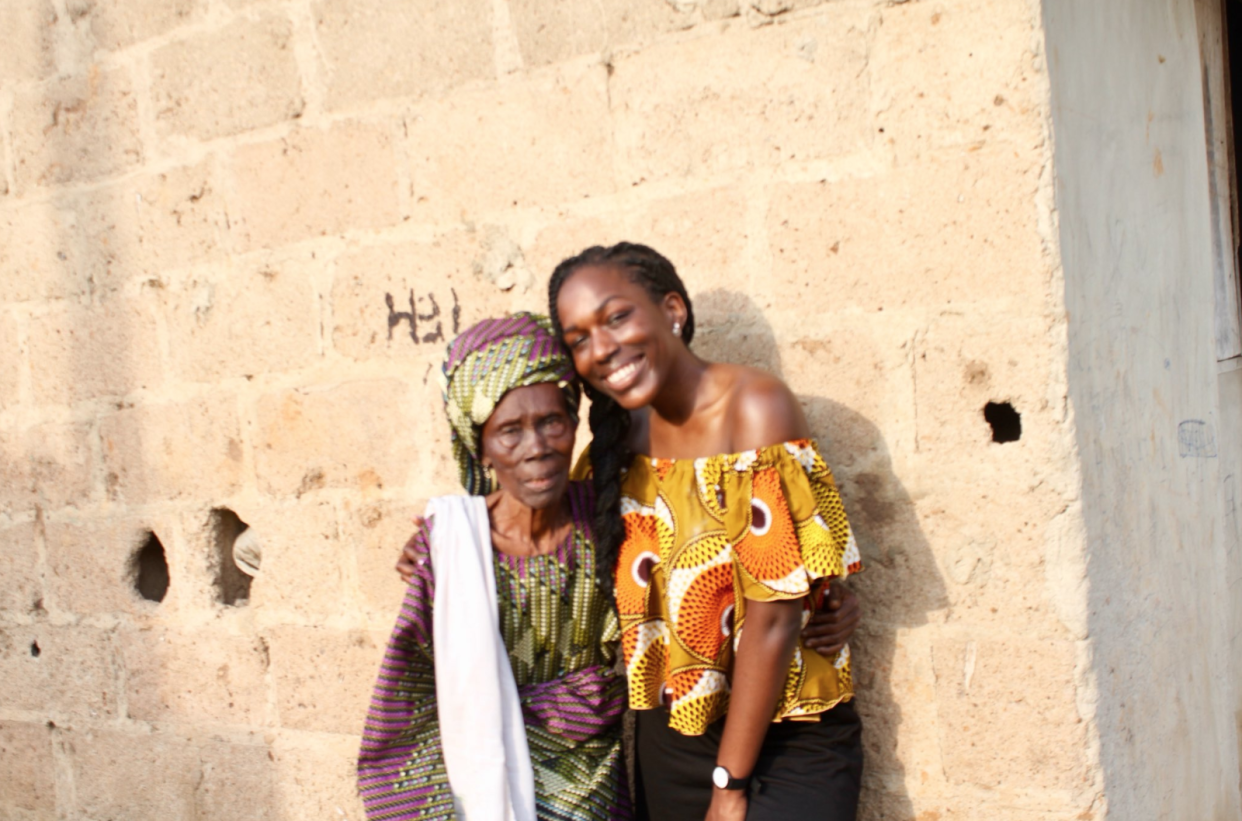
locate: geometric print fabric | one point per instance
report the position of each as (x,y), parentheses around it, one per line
(704,536)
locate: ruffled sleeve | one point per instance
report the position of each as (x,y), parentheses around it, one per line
(786,521)
(401,771)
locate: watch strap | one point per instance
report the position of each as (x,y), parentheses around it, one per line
(732,783)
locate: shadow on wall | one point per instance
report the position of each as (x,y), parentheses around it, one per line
(902,583)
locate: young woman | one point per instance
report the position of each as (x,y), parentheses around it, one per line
(725,526)
(522,722)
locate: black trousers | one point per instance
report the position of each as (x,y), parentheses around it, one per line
(807,770)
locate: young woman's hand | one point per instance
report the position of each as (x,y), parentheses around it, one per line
(405,564)
(830,629)
(727,805)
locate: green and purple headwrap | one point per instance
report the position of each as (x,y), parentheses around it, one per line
(484,363)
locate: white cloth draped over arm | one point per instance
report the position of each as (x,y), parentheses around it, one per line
(481,729)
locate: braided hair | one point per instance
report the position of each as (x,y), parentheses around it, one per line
(610,423)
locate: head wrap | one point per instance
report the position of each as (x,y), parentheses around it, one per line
(484,363)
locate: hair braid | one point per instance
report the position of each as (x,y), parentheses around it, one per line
(610,423)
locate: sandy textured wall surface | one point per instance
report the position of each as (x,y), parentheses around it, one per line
(234,237)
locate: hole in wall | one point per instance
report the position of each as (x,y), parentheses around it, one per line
(1005,421)
(35,650)
(236,556)
(152,569)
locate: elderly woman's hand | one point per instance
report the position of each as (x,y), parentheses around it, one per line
(831,628)
(406,563)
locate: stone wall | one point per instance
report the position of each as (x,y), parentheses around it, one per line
(234,237)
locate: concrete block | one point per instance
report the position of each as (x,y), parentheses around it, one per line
(896,697)
(1006,713)
(323,677)
(91,564)
(135,776)
(188,450)
(58,671)
(76,128)
(27,771)
(566,237)
(542,140)
(148,226)
(29,51)
(22,591)
(79,353)
(993,568)
(49,465)
(353,435)
(372,289)
(853,375)
(743,97)
(305,572)
(11,363)
(923,236)
(964,362)
(923,804)
(316,776)
(239,781)
(956,73)
(116,24)
(244,319)
(42,255)
(194,677)
(314,183)
(554,32)
(378,530)
(238,78)
(373,50)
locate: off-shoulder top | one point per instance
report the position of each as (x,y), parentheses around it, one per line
(703,537)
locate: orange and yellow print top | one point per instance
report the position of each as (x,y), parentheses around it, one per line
(702,536)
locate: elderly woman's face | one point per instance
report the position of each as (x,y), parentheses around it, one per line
(529,441)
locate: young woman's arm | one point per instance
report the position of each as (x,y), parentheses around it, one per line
(759,671)
(766,413)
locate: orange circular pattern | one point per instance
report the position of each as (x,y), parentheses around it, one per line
(702,606)
(641,537)
(769,550)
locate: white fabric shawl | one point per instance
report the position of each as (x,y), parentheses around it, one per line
(481,729)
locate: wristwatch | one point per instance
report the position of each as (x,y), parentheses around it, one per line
(723,780)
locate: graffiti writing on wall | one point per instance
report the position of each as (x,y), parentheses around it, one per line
(424,325)
(1196,440)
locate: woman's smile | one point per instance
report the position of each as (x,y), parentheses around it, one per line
(623,378)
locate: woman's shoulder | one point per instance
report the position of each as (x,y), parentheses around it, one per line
(761,409)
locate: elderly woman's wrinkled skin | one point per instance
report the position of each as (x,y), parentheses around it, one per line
(528,443)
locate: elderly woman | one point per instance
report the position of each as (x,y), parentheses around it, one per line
(498,697)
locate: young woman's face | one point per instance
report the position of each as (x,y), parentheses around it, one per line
(621,340)
(529,441)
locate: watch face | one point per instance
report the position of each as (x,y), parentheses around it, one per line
(720,777)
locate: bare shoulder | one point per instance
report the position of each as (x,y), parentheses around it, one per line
(762,410)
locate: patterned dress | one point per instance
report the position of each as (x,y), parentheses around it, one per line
(561,632)
(702,537)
